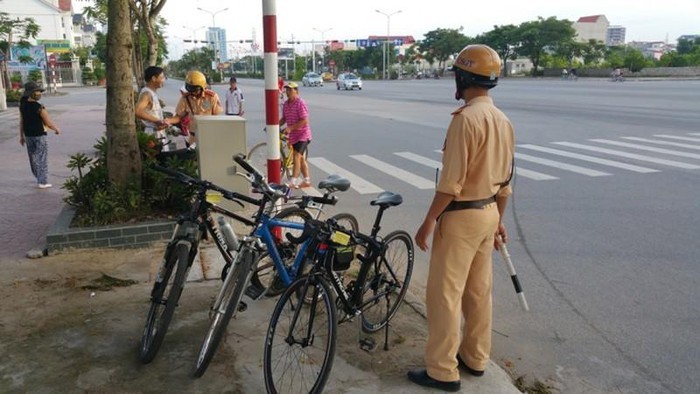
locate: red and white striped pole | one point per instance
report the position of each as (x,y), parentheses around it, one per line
(272,115)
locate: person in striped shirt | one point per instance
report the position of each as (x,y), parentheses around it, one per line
(295,114)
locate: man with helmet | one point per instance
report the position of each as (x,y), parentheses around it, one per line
(198,100)
(465,220)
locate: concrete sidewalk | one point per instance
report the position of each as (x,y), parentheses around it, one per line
(78,355)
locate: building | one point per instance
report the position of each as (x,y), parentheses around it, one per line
(54,17)
(652,49)
(616,36)
(217,39)
(593,27)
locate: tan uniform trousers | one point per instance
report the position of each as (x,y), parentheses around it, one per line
(460,279)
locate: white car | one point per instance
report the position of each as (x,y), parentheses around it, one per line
(348,81)
(312,79)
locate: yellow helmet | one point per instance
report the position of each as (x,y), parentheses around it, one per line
(195,80)
(482,62)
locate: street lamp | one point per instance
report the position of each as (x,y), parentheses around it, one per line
(217,57)
(194,33)
(385,57)
(323,40)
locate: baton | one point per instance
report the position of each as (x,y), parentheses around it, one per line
(513,276)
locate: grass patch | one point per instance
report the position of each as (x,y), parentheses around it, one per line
(537,386)
(106,283)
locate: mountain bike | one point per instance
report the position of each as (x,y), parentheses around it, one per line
(301,337)
(257,156)
(260,242)
(181,251)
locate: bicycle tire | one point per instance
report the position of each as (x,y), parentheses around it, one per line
(257,157)
(378,281)
(164,298)
(265,276)
(347,220)
(311,362)
(231,295)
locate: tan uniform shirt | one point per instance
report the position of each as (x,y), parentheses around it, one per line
(207,104)
(478,152)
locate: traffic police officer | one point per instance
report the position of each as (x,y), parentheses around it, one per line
(465,219)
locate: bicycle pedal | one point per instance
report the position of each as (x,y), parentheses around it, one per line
(254,292)
(242,306)
(368,344)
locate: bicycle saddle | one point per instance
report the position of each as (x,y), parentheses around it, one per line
(387,199)
(333,183)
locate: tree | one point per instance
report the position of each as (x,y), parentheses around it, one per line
(146,12)
(543,34)
(440,44)
(503,40)
(14,29)
(570,50)
(123,155)
(593,52)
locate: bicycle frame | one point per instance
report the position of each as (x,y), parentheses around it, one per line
(264,232)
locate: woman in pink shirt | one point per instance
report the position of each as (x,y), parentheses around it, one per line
(296,115)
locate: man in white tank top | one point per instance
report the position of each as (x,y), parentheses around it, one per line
(148,107)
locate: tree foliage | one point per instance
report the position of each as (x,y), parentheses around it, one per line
(15,31)
(503,39)
(441,44)
(536,37)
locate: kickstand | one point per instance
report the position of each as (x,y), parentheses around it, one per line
(386,328)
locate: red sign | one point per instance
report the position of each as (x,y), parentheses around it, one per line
(52,59)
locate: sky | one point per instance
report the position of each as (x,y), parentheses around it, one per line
(305,19)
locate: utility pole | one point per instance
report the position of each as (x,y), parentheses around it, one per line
(217,51)
(385,55)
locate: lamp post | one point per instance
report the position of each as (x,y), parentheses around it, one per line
(194,33)
(323,41)
(385,56)
(217,54)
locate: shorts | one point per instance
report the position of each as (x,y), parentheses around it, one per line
(300,146)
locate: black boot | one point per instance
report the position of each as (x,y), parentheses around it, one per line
(421,377)
(467,369)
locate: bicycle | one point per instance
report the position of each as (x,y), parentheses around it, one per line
(257,155)
(181,251)
(259,242)
(306,314)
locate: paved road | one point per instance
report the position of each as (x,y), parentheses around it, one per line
(603,219)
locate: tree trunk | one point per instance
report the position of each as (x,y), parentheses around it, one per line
(123,155)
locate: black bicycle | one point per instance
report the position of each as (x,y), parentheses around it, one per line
(301,338)
(181,251)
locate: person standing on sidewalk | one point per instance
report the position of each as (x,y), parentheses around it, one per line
(148,108)
(33,122)
(465,219)
(295,114)
(234,98)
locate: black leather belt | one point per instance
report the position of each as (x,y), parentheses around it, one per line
(476,204)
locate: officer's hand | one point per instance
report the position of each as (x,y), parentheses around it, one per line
(501,236)
(423,233)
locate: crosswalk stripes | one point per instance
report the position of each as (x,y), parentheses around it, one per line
(360,185)
(648,148)
(635,156)
(693,133)
(537,176)
(399,173)
(420,159)
(560,165)
(677,137)
(591,159)
(666,143)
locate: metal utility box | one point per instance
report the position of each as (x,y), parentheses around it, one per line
(219,138)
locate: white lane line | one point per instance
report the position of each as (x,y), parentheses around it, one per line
(591,159)
(560,165)
(648,148)
(693,133)
(538,176)
(420,159)
(629,155)
(398,173)
(667,143)
(360,185)
(675,137)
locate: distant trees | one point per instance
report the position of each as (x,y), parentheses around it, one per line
(14,31)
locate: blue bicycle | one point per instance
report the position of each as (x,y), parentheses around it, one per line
(262,241)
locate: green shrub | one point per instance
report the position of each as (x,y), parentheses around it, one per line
(99,202)
(13,95)
(35,75)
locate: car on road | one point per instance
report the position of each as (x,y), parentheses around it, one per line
(348,81)
(312,79)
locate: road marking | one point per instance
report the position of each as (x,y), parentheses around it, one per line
(420,159)
(538,176)
(648,148)
(675,137)
(591,159)
(629,155)
(560,165)
(693,133)
(659,142)
(396,172)
(360,185)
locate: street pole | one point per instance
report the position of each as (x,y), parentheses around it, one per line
(385,54)
(323,43)
(217,52)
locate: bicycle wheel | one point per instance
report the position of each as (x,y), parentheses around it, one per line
(265,275)
(347,220)
(164,297)
(300,342)
(224,309)
(387,281)
(257,157)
